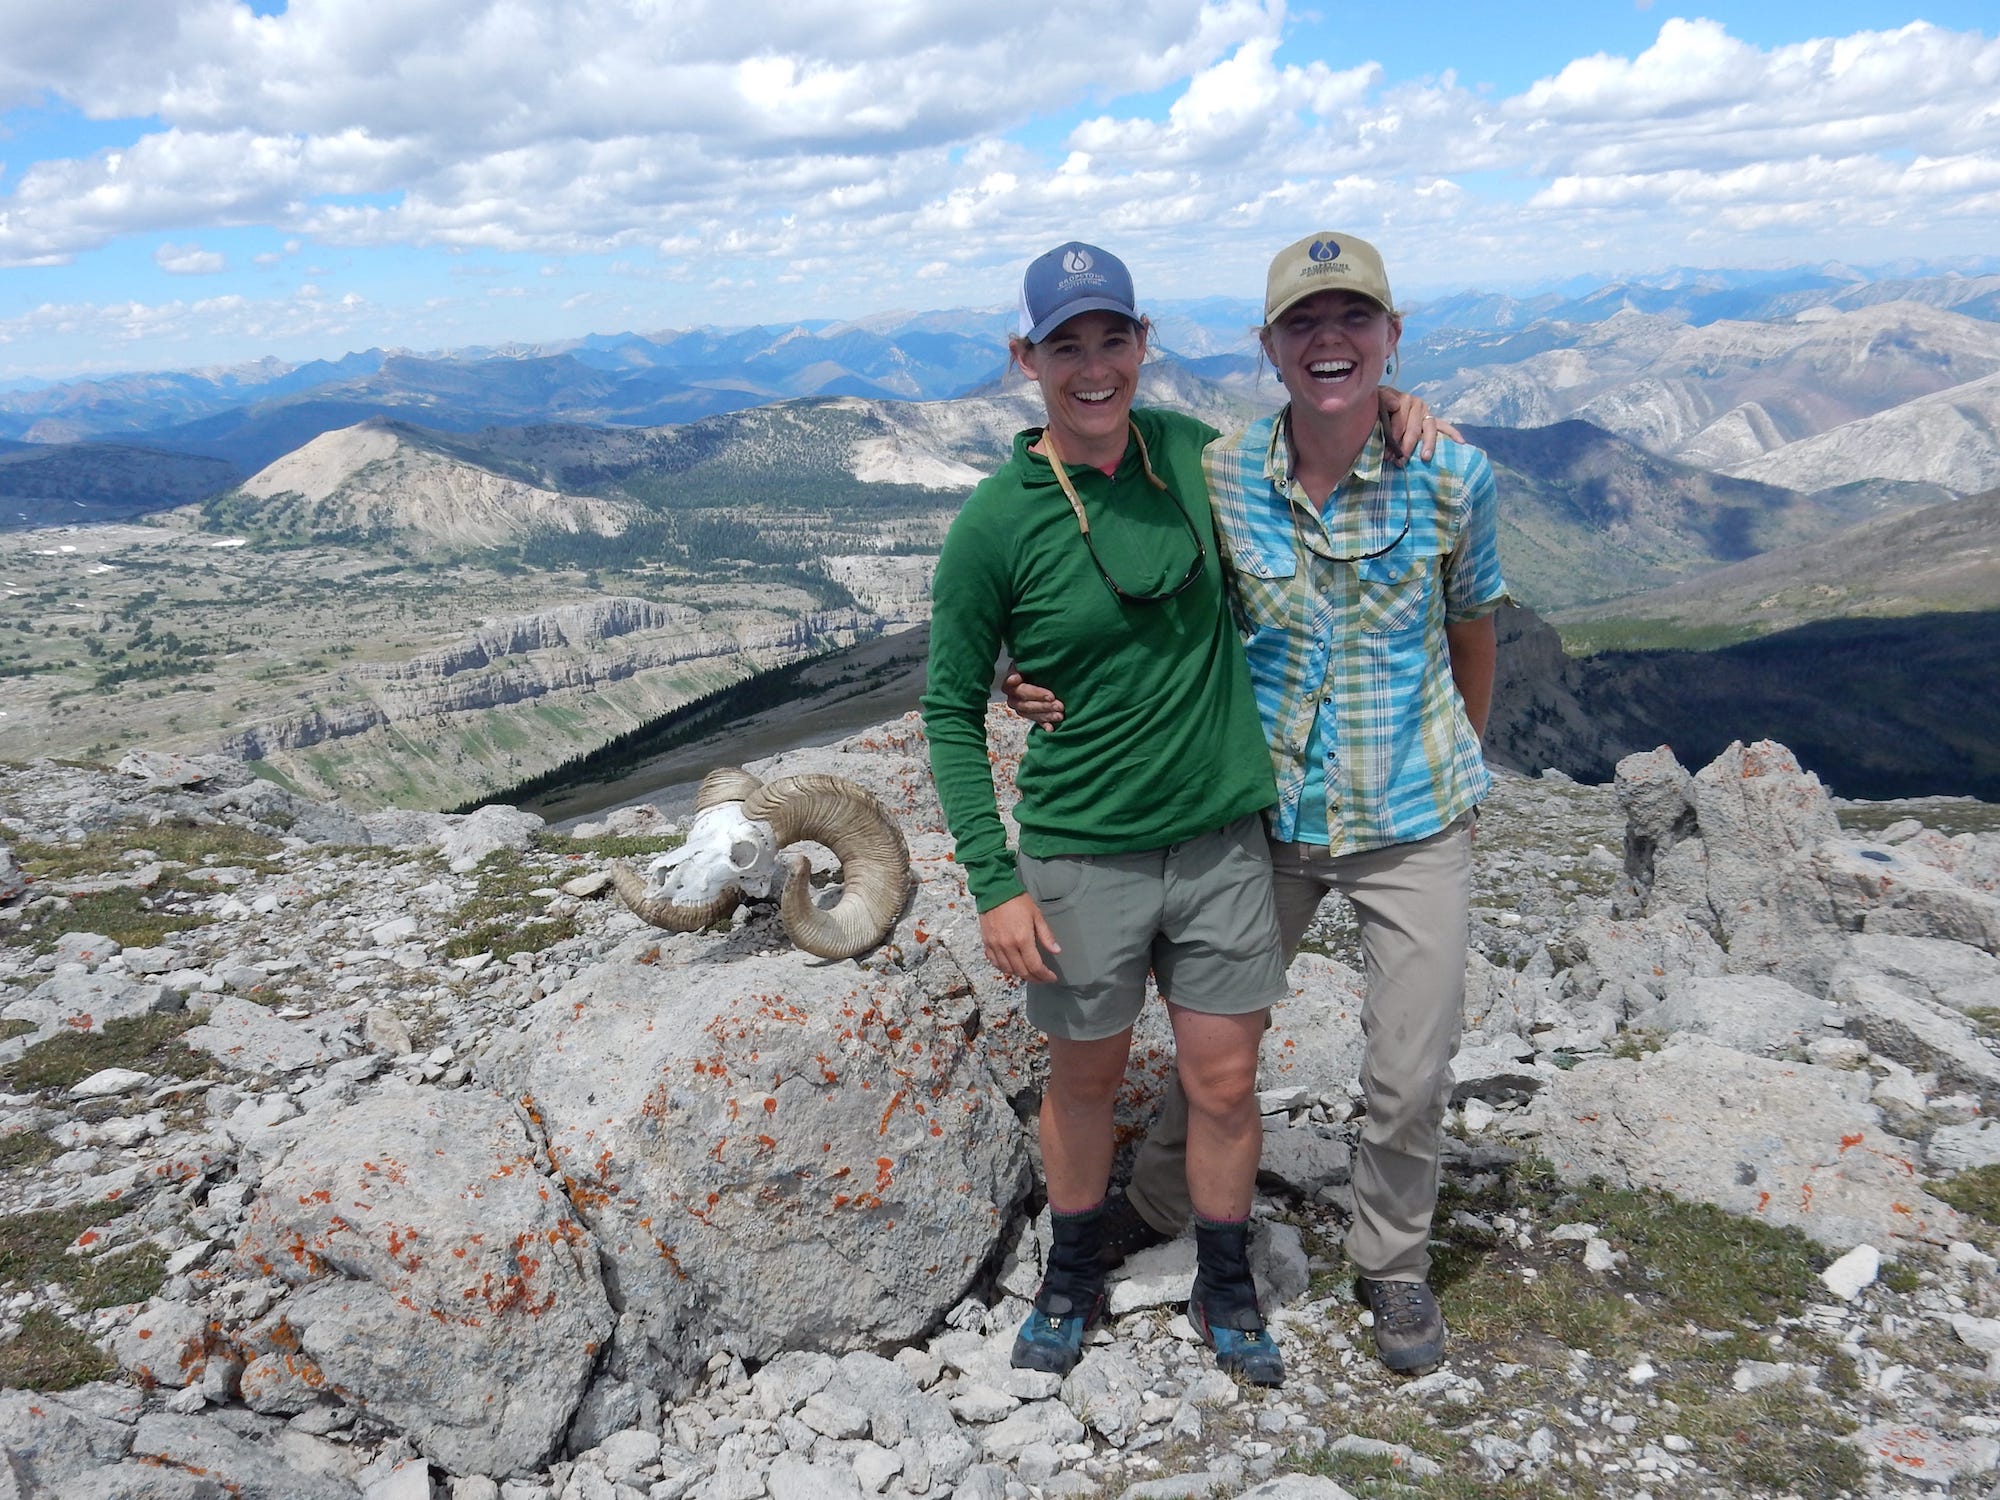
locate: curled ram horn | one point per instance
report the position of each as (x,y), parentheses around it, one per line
(730,852)
(874,862)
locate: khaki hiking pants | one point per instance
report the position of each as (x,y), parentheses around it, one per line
(1411,903)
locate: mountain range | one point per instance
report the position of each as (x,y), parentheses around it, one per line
(1781,402)
(1589,515)
(413,578)
(1716,368)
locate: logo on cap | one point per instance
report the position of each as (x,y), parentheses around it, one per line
(1077,261)
(1324,250)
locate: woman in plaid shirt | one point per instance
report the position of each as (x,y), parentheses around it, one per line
(1364,593)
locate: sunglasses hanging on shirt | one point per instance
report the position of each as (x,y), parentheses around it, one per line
(1048,445)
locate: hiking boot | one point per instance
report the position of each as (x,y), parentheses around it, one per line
(1052,1337)
(1409,1329)
(1234,1329)
(1124,1231)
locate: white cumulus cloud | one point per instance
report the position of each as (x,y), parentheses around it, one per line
(837,147)
(190,260)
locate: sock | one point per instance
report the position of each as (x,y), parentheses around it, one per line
(1222,1281)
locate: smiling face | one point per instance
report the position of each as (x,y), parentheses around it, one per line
(1330,350)
(1088,370)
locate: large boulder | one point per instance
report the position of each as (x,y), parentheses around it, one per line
(463,839)
(1959,975)
(1656,794)
(773,1153)
(440,1276)
(1920,1034)
(1315,1040)
(1761,819)
(1784,1143)
(1882,889)
(1629,963)
(1750,1012)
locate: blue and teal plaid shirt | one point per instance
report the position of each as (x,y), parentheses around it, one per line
(1347,649)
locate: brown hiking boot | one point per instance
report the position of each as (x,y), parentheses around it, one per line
(1409,1329)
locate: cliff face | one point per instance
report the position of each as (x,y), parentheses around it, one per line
(561,665)
(1543,714)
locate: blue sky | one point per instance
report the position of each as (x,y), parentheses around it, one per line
(195,182)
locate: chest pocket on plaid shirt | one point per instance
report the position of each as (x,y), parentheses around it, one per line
(1264,589)
(1394,589)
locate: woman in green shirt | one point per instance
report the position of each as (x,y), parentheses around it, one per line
(1090,557)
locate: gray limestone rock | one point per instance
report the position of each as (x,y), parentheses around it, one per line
(162,769)
(1631,961)
(1501,1003)
(50,1438)
(1761,819)
(783,1385)
(136,1480)
(13,881)
(1919,1034)
(1296,1487)
(795,1478)
(168,1344)
(73,999)
(1105,1392)
(440,1274)
(1959,975)
(1959,1148)
(1315,1039)
(1923,1449)
(249,1038)
(270,807)
(897,1409)
(1750,1012)
(1498,1072)
(1048,1422)
(1302,1157)
(1656,795)
(1163,1275)
(88,950)
(982,1482)
(247,1462)
(470,838)
(1784,1143)
(1883,889)
(405,827)
(773,1154)
(150,960)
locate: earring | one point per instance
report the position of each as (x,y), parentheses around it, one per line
(1389,368)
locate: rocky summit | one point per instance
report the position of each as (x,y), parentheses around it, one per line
(384,1156)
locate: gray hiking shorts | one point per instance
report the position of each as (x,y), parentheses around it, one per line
(1197,915)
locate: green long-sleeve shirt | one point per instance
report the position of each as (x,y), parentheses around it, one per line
(1160,738)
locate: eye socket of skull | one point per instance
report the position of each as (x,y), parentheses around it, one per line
(743,854)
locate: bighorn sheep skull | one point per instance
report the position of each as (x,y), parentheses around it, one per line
(732,851)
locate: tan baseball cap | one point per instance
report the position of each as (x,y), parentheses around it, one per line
(1325,262)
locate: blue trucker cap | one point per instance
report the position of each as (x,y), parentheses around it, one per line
(1071,279)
